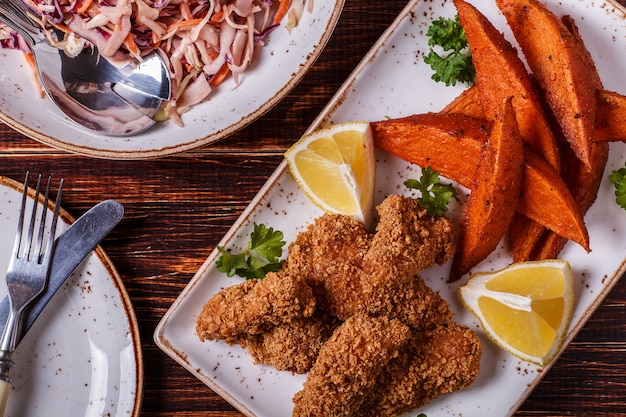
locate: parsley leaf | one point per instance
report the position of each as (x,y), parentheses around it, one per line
(260,257)
(455,64)
(435,196)
(618,178)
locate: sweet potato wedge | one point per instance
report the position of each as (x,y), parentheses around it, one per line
(500,73)
(584,181)
(546,184)
(451,144)
(611,117)
(530,240)
(467,103)
(561,68)
(523,236)
(495,193)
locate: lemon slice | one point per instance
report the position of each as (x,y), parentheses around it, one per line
(525,308)
(336,168)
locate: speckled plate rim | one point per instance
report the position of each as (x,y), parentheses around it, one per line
(103,147)
(597,273)
(99,255)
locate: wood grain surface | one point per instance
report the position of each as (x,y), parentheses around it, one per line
(179,207)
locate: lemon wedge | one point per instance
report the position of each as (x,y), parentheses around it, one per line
(525,308)
(336,168)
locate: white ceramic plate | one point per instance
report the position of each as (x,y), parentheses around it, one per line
(393,81)
(277,69)
(82,357)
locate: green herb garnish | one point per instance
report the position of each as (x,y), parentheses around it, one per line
(455,63)
(260,257)
(435,196)
(618,178)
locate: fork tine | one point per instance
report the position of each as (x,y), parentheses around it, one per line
(20,222)
(29,250)
(42,222)
(31,225)
(55,217)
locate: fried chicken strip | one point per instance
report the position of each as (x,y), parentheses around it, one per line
(352,271)
(292,346)
(407,241)
(415,304)
(329,254)
(348,365)
(432,363)
(254,305)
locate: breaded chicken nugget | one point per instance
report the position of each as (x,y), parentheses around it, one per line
(415,304)
(348,365)
(292,346)
(254,305)
(407,239)
(352,271)
(432,363)
(330,255)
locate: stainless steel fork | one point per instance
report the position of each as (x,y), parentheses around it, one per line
(27,274)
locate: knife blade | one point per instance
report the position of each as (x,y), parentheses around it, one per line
(71,248)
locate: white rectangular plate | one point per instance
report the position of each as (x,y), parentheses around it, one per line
(393,81)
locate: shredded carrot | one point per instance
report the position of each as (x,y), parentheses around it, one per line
(83,6)
(155,40)
(183,24)
(217,18)
(282,10)
(129,43)
(64,29)
(219,76)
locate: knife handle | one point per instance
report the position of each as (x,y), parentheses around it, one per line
(6,364)
(5,389)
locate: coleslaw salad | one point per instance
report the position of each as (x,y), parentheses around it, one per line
(204,42)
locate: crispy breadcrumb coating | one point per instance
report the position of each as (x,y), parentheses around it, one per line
(407,239)
(255,305)
(352,271)
(432,363)
(416,305)
(329,254)
(292,346)
(350,308)
(348,365)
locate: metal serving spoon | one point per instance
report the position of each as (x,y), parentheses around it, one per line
(88,89)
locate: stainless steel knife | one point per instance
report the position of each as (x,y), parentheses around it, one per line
(71,248)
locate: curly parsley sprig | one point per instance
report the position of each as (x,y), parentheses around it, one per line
(618,178)
(260,257)
(455,63)
(434,196)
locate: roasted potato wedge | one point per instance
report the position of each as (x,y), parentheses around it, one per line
(584,182)
(530,240)
(495,193)
(523,236)
(610,114)
(561,67)
(451,144)
(611,117)
(546,184)
(467,103)
(500,73)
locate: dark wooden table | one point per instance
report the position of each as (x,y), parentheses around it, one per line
(179,207)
